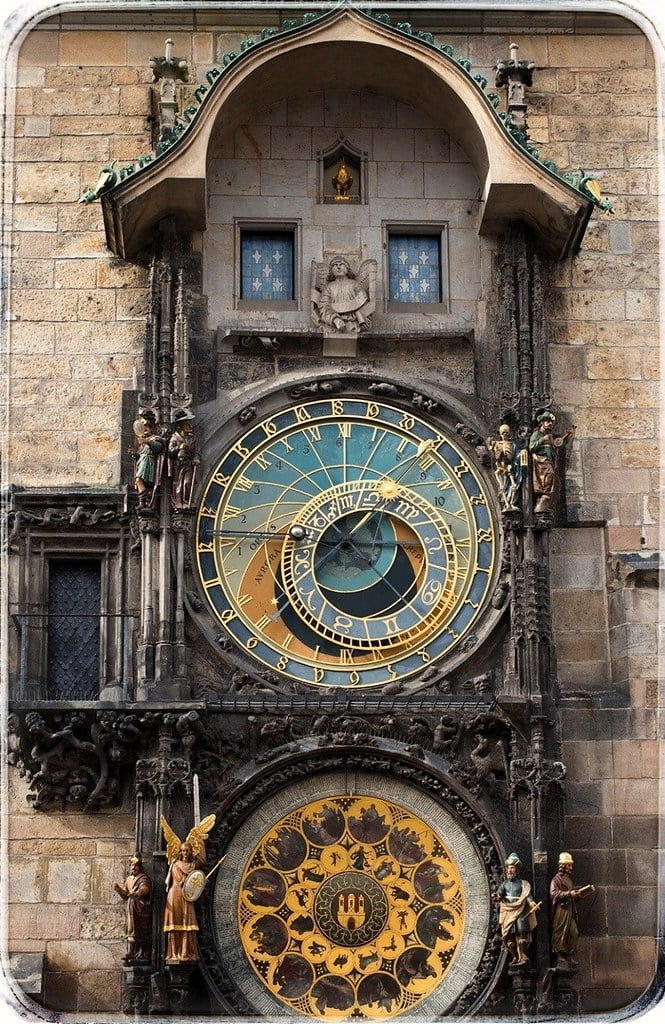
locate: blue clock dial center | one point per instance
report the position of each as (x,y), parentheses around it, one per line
(360,552)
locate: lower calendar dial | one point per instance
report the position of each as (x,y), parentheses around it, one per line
(351,908)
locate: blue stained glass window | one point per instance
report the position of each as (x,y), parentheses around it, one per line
(414,268)
(266,266)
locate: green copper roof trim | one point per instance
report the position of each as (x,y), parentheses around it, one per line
(109,178)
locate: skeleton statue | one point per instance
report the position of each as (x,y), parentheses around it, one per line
(507,467)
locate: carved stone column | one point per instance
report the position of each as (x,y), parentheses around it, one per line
(161,782)
(145,651)
(181,522)
(524,392)
(524,991)
(136,991)
(179,979)
(165,390)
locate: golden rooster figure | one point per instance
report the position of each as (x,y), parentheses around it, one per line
(180,924)
(342,182)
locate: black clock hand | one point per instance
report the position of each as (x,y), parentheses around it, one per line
(325,543)
(384,543)
(344,538)
(248,533)
(382,512)
(329,554)
(336,545)
(291,533)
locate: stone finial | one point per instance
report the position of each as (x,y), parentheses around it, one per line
(168,70)
(169,67)
(516,75)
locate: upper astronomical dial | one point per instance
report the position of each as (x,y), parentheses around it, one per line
(345,542)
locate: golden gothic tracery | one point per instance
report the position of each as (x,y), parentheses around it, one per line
(351,906)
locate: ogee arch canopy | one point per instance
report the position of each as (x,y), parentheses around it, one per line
(356,51)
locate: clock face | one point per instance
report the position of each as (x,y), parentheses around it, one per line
(353,895)
(346,542)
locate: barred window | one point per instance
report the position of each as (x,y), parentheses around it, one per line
(74,597)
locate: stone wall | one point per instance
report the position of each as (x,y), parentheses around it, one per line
(605,329)
(61,901)
(414,175)
(75,341)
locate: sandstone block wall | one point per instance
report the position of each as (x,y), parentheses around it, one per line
(60,899)
(82,99)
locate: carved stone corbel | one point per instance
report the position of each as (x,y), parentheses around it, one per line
(76,757)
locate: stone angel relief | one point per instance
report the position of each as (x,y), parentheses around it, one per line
(343,301)
(184,883)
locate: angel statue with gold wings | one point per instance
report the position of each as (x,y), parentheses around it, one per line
(183,887)
(343,301)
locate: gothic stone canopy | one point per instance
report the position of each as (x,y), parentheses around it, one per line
(354,50)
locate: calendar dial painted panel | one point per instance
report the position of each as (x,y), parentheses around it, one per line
(352,894)
(346,542)
(351,907)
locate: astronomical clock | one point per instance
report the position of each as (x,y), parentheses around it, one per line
(346,549)
(313,613)
(346,541)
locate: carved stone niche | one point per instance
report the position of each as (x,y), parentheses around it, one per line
(342,173)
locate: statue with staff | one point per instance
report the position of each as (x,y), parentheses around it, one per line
(185,459)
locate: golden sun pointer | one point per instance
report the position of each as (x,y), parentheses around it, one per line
(388,488)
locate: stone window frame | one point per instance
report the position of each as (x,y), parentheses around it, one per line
(438,229)
(287,226)
(29,610)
